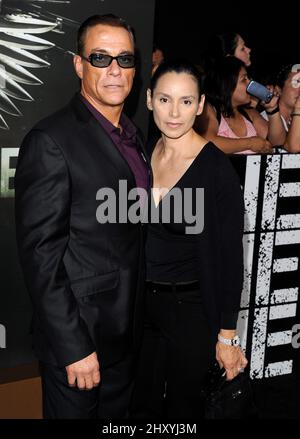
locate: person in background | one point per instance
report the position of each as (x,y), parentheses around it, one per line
(226,44)
(227,121)
(194,277)
(292,143)
(287,85)
(157,57)
(84,276)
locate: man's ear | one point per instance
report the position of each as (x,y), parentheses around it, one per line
(201,104)
(149,99)
(78,66)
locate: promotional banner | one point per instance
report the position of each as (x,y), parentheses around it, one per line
(269,320)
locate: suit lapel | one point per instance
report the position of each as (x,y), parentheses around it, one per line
(99,137)
(145,157)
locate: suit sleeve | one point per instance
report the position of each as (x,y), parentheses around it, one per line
(231,219)
(43,202)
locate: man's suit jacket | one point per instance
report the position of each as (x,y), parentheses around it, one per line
(85,278)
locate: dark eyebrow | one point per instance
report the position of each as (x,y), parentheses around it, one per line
(181,97)
(163,94)
(100,50)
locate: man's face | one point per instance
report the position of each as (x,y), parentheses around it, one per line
(107,86)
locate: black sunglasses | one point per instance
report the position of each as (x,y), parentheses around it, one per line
(101,60)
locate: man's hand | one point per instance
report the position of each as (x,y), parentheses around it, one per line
(85,373)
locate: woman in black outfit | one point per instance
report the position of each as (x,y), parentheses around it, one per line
(194,263)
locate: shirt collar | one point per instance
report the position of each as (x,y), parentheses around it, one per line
(128,128)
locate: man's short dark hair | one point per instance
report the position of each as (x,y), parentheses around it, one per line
(94,20)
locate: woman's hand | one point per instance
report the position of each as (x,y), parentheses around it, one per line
(297,105)
(232,358)
(260,145)
(270,106)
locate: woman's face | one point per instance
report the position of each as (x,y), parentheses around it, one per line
(242,52)
(175,103)
(240,95)
(290,90)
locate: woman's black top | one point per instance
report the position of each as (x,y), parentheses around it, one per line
(210,249)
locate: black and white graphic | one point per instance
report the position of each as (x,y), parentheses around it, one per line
(269,306)
(23,24)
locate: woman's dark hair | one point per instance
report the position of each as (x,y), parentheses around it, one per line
(218,47)
(177,66)
(94,20)
(223,44)
(220,84)
(283,75)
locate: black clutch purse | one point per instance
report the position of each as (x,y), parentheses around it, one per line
(228,399)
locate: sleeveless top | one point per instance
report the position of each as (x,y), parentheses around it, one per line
(225,131)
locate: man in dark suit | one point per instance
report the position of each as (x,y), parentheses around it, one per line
(84,276)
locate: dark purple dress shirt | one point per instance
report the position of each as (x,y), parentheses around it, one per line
(126,142)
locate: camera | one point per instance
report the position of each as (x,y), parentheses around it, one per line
(259,91)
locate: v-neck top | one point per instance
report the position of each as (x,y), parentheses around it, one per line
(173,255)
(170,248)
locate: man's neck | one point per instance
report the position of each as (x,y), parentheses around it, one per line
(112,113)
